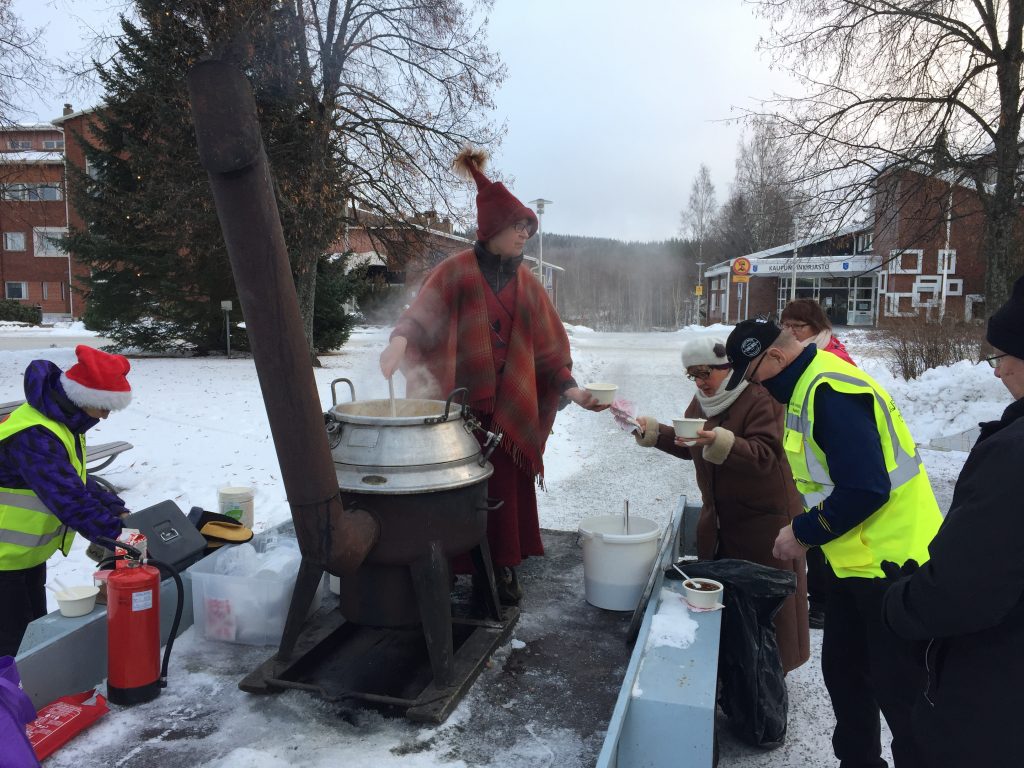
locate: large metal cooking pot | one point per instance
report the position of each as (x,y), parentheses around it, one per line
(427,446)
(422,475)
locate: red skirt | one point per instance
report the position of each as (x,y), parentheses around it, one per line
(513,530)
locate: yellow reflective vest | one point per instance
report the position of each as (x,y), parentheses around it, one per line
(29,531)
(904,526)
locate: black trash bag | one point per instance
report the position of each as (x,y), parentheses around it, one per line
(753,693)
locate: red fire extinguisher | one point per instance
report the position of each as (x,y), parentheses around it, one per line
(133,634)
(134,674)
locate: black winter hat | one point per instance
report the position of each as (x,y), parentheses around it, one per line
(1006,326)
(748,340)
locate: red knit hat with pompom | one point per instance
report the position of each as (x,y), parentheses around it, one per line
(97,380)
(496,207)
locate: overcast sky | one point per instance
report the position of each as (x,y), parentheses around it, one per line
(610,106)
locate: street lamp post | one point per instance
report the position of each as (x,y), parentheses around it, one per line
(226,307)
(540,202)
(700,282)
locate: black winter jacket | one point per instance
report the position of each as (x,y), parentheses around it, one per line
(967,603)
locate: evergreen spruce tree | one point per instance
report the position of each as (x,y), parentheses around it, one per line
(159,268)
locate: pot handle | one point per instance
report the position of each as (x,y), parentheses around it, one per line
(493,438)
(492,504)
(448,406)
(334,392)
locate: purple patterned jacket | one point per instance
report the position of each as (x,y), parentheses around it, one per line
(34,458)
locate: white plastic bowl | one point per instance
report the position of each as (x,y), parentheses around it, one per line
(77,601)
(687,428)
(602,391)
(703,598)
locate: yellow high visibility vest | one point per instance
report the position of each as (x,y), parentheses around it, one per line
(904,526)
(29,531)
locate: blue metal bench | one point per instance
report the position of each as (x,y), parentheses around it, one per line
(665,711)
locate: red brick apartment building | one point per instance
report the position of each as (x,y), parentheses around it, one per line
(34,211)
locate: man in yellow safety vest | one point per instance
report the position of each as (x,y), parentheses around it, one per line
(866,499)
(45,492)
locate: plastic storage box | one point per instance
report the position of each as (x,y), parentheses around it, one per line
(236,599)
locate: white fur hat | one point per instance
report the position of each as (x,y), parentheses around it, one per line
(704,350)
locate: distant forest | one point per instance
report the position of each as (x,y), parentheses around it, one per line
(609,285)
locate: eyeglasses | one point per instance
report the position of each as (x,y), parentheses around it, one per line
(995,359)
(703,374)
(750,374)
(521,226)
(790,326)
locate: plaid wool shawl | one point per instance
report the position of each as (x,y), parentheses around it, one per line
(450,346)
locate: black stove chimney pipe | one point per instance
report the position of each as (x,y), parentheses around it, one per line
(232,152)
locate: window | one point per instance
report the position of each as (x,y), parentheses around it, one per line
(33,191)
(19,144)
(16,290)
(14,241)
(45,240)
(46,291)
(905,262)
(864,242)
(53,144)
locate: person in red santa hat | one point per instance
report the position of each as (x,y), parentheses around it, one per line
(481,320)
(46,495)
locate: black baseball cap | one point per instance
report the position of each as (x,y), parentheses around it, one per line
(748,340)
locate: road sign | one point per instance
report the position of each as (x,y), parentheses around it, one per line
(741,266)
(698,290)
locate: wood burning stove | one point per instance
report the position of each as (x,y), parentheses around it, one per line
(421,473)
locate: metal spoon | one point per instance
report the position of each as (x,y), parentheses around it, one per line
(627,517)
(391,394)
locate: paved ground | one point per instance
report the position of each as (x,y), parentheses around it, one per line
(543,701)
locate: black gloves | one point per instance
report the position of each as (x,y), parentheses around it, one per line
(894,572)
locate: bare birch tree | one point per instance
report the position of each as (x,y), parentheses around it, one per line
(932,86)
(699,216)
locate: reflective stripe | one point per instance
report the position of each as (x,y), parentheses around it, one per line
(907,466)
(29,539)
(24,501)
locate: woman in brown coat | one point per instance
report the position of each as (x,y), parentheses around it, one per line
(744,479)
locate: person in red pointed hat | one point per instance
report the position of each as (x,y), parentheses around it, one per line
(46,494)
(481,320)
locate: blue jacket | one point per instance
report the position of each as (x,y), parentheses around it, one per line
(844,427)
(34,458)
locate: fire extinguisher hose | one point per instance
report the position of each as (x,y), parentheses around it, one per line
(179,606)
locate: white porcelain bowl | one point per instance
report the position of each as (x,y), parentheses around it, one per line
(687,428)
(602,391)
(703,598)
(77,601)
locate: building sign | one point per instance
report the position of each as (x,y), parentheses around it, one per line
(828,265)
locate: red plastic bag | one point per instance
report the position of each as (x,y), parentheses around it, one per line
(60,721)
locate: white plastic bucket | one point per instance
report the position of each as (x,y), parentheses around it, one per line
(616,564)
(236,502)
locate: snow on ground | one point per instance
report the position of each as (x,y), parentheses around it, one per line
(199,423)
